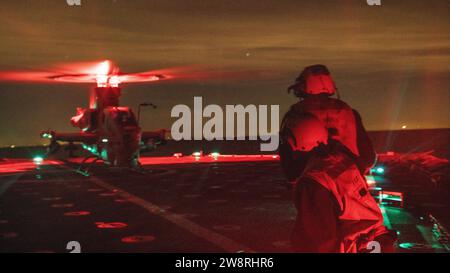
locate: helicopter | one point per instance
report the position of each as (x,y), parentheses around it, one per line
(108,131)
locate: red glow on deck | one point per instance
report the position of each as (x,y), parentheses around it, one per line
(177,159)
(138,239)
(112,225)
(23,165)
(77,213)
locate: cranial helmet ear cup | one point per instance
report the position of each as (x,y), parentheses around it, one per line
(299,87)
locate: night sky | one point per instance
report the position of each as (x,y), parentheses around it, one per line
(390,62)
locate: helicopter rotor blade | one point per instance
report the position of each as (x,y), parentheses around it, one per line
(89,72)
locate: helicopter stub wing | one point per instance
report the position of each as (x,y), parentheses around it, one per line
(88,138)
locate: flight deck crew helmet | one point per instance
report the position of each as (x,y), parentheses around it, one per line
(306,132)
(314,80)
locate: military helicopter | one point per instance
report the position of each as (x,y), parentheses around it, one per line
(110,132)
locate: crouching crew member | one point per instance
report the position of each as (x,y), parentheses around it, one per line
(335,211)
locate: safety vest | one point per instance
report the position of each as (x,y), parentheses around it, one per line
(360,218)
(337,116)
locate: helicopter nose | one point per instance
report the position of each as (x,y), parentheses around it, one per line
(128,153)
(131,137)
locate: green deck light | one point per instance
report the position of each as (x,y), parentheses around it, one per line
(38,160)
(378,170)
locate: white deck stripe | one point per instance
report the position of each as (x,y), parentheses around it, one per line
(215,238)
(5,185)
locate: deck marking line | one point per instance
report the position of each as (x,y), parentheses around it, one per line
(213,237)
(5,185)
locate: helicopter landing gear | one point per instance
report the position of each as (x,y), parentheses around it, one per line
(137,167)
(85,166)
(71,148)
(52,148)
